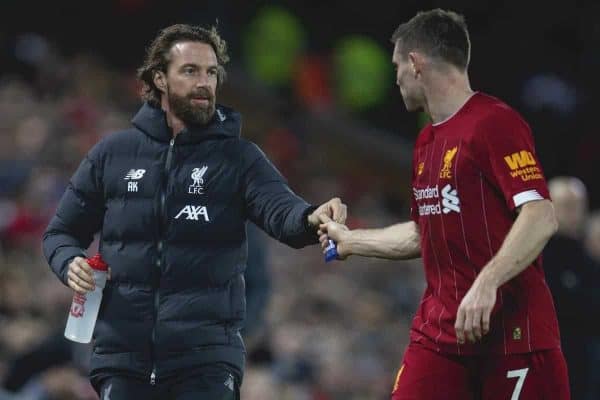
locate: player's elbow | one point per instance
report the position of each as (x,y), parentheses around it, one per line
(552,220)
(547,214)
(542,215)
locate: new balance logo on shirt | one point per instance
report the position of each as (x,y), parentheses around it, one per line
(450,201)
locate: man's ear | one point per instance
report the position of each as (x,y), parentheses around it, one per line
(160,81)
(416,62)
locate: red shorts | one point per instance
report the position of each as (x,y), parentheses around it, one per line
(428,375)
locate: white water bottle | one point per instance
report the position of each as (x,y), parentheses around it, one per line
(84,309)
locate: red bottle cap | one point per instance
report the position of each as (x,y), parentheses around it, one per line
(97,263)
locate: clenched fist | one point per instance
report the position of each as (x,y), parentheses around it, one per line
(334,209)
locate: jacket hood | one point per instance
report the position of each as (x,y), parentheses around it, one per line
(225,122)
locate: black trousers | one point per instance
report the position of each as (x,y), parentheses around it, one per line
(214,382)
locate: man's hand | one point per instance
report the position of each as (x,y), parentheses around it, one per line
(337,232)
(334,209)
(473,315)
(80,276)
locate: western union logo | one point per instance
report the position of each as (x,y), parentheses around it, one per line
(518,160)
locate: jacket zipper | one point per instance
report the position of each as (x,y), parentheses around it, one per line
(163,219)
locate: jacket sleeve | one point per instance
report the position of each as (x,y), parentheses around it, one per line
(78,217)
(271,204)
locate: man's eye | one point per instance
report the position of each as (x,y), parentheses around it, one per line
(212,72)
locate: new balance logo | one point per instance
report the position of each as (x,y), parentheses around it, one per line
(135,174)
(450,200)
(132,176)
(193,213)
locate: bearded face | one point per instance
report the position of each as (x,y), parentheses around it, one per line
(196,108)
(191,82)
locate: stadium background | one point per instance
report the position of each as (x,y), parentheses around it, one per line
(315,84)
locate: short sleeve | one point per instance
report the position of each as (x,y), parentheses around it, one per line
(508,158)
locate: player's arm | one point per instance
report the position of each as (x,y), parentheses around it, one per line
(532,229)
(506,155)
(395,242)
(275,208)
(529,234)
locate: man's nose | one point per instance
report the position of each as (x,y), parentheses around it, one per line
(203,80)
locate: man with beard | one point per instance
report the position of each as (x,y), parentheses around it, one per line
(170,198)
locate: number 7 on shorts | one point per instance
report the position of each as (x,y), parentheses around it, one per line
(517,373)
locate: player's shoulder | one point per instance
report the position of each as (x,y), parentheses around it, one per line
(490,110)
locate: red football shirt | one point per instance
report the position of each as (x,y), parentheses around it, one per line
(470,173)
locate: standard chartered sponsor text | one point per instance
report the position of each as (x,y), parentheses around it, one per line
(450,201)
(430,209)
(426,193)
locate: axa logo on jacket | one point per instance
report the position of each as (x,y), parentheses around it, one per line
(194,213)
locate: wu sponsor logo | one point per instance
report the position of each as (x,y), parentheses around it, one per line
(198,178)
(445,172)
(523,165)
(193,213)
(133,176)
(450,200)
(520,159)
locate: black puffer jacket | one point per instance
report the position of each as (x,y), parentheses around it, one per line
(172,215)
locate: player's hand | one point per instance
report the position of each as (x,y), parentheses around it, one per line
(334,209)
(80,276)
(339,233)
(473,316)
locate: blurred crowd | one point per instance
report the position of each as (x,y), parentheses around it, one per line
(315,331)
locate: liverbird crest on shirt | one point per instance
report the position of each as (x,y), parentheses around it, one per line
(448,157)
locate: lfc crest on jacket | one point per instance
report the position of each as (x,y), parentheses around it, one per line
(197,187)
